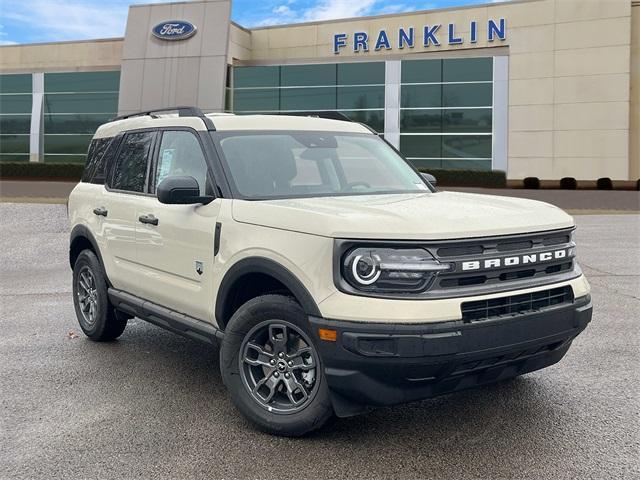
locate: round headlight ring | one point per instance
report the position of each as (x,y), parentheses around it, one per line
(369,278)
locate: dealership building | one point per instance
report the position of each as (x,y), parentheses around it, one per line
(545,88)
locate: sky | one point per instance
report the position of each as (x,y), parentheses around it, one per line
(32,21)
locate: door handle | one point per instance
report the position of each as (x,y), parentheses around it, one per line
(100,211)
(148,219)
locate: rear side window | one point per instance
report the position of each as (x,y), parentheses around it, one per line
(131,167)
(94,168)
(105,163)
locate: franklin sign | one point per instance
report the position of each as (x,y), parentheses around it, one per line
(174,30)
(427,36)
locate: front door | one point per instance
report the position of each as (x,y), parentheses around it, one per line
(175,248)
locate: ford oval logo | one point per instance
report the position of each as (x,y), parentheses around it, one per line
(174,30)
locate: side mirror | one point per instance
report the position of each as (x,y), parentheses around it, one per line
(430,178)
(180,191)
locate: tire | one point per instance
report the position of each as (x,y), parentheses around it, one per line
(97,318)
(253,339)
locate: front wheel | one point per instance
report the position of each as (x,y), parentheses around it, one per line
(272,369)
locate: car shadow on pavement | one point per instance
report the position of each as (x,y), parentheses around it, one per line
(157,388)
(161,363)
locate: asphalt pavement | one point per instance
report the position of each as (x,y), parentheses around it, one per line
(152,404)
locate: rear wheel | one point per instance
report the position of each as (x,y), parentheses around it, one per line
(96,316)
(271,367)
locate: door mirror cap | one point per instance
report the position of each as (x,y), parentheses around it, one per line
(181,191)
(430,178)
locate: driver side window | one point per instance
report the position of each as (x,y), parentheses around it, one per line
(181,155)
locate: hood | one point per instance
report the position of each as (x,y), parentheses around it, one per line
(423,216)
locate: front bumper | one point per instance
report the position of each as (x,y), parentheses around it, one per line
(374,364)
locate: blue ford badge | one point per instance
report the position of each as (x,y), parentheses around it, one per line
(174,30)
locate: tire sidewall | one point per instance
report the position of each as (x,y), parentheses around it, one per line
(254,312)
(89,260)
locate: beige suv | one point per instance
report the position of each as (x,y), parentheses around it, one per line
(335,277)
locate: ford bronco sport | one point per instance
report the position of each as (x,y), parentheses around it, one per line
(335,277)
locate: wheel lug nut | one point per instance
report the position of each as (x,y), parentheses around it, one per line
(276,374)
(281,355)
(272,362)
(287,375)
(290,363)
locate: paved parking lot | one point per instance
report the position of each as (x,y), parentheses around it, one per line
(153,405)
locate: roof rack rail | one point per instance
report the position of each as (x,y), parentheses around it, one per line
(182,112)
(331,116)
(322,114)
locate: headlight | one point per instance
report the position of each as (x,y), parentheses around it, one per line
(390,269)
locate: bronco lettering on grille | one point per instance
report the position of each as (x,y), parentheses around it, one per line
(517,260)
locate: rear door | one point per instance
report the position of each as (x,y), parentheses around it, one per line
(90,206)
(126,186)
(176,254)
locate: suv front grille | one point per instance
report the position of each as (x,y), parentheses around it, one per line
(480,310)
(485,265)
(506,276)
(505,244)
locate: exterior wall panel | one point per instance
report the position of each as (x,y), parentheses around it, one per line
(173,71)
(587,34)
(634,117)
(534,91)
(62,57)
(575,10)
(524,118)
(592,88)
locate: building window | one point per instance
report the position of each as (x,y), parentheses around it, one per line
(446,105)
(75,104)
(446,112)
(354,89)
(15,117)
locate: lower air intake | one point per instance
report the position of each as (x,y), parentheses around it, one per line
(515,305)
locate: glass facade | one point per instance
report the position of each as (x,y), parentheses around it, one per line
(75,104)
(446,105)
(355,89)
(446,112)
(15,117)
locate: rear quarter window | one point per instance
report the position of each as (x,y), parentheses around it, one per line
(131,165)
(97,158)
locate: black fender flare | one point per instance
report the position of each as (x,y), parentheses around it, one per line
(267,267)
(81,231)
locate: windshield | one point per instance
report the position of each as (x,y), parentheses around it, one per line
(307,164)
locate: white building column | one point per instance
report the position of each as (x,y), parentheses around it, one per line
(392,79)
(37,118)
(500,128)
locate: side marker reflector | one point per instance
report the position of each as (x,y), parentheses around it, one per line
(327,335)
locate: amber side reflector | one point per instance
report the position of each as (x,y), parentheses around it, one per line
(327,335)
